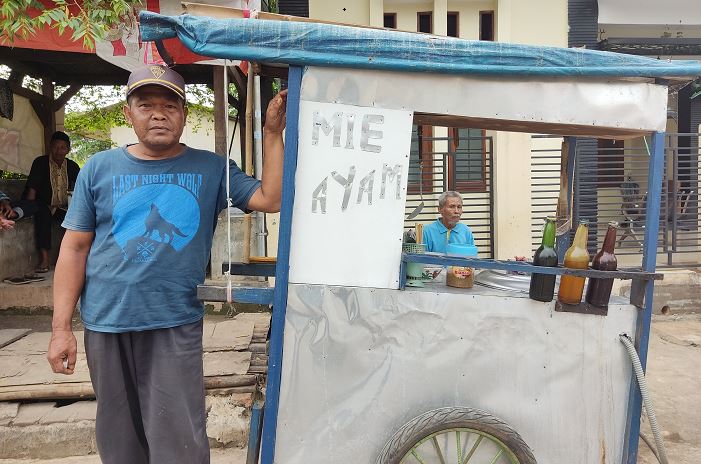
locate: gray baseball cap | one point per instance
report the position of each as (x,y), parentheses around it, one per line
(156,75)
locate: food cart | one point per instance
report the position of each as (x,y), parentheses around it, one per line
(364,369)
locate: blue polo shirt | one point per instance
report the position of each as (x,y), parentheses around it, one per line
(435,236)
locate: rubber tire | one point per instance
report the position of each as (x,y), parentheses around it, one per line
(436,420)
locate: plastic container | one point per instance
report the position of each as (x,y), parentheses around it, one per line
(459,276)
(414,271)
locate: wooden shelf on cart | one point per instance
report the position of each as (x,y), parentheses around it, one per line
(581,308)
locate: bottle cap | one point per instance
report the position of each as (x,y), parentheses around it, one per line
(613,224)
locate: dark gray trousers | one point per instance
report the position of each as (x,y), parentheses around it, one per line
(150,395)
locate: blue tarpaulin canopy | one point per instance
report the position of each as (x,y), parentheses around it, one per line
(319,44)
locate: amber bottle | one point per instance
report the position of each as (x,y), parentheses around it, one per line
(576,257)
(599,290)
(543,285)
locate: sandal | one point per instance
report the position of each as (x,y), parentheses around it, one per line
(34,277)
(16,281)
(41,270)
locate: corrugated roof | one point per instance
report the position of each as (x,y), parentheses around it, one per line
(318,44)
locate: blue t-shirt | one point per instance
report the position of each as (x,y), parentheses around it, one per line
(436,238)
(153,222)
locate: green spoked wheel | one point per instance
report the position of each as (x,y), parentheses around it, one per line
(456,436)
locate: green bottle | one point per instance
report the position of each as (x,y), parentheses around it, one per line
(543,285)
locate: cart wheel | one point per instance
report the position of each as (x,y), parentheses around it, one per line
(456,436)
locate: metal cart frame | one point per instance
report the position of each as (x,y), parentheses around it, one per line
(641,293)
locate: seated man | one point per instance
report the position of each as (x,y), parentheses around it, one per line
(11,211)
(50,179)
(447,228)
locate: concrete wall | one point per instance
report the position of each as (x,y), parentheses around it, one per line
(18,254)
(468,19)
(406,13)
(350,12)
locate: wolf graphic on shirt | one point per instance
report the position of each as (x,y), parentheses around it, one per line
(154,217)
(155,222)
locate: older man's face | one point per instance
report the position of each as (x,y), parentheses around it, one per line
(451,212)
(58,150)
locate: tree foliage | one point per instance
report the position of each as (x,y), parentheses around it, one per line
(85,20)
(96,109)
(83,148)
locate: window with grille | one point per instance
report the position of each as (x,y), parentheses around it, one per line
(466,167)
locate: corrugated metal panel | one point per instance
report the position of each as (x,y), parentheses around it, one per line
(583,21)
(545,182)
(695,115)
(586,175)
(294,7)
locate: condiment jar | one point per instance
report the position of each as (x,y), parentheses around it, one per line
(460,276)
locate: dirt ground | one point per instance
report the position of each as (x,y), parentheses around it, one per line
(673,376)
(674,381)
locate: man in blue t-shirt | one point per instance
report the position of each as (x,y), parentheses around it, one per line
(139,236)
(447,228)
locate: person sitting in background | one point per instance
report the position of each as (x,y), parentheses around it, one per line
(447,228)
(11,211)
(50,179)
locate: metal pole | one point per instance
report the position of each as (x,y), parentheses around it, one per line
(258,149)
(642,333)
(277,329)
(249,160)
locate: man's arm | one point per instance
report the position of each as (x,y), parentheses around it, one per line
(267,197)
(69,279)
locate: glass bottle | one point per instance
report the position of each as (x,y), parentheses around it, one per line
(599,290)
(576,257)
(543,285)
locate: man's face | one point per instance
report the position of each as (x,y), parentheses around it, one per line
(157,116)
(451,212)
(59,149)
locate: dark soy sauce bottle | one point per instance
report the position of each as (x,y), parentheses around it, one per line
(543,285)
(599,290)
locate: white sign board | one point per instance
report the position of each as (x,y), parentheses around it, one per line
(350,193)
